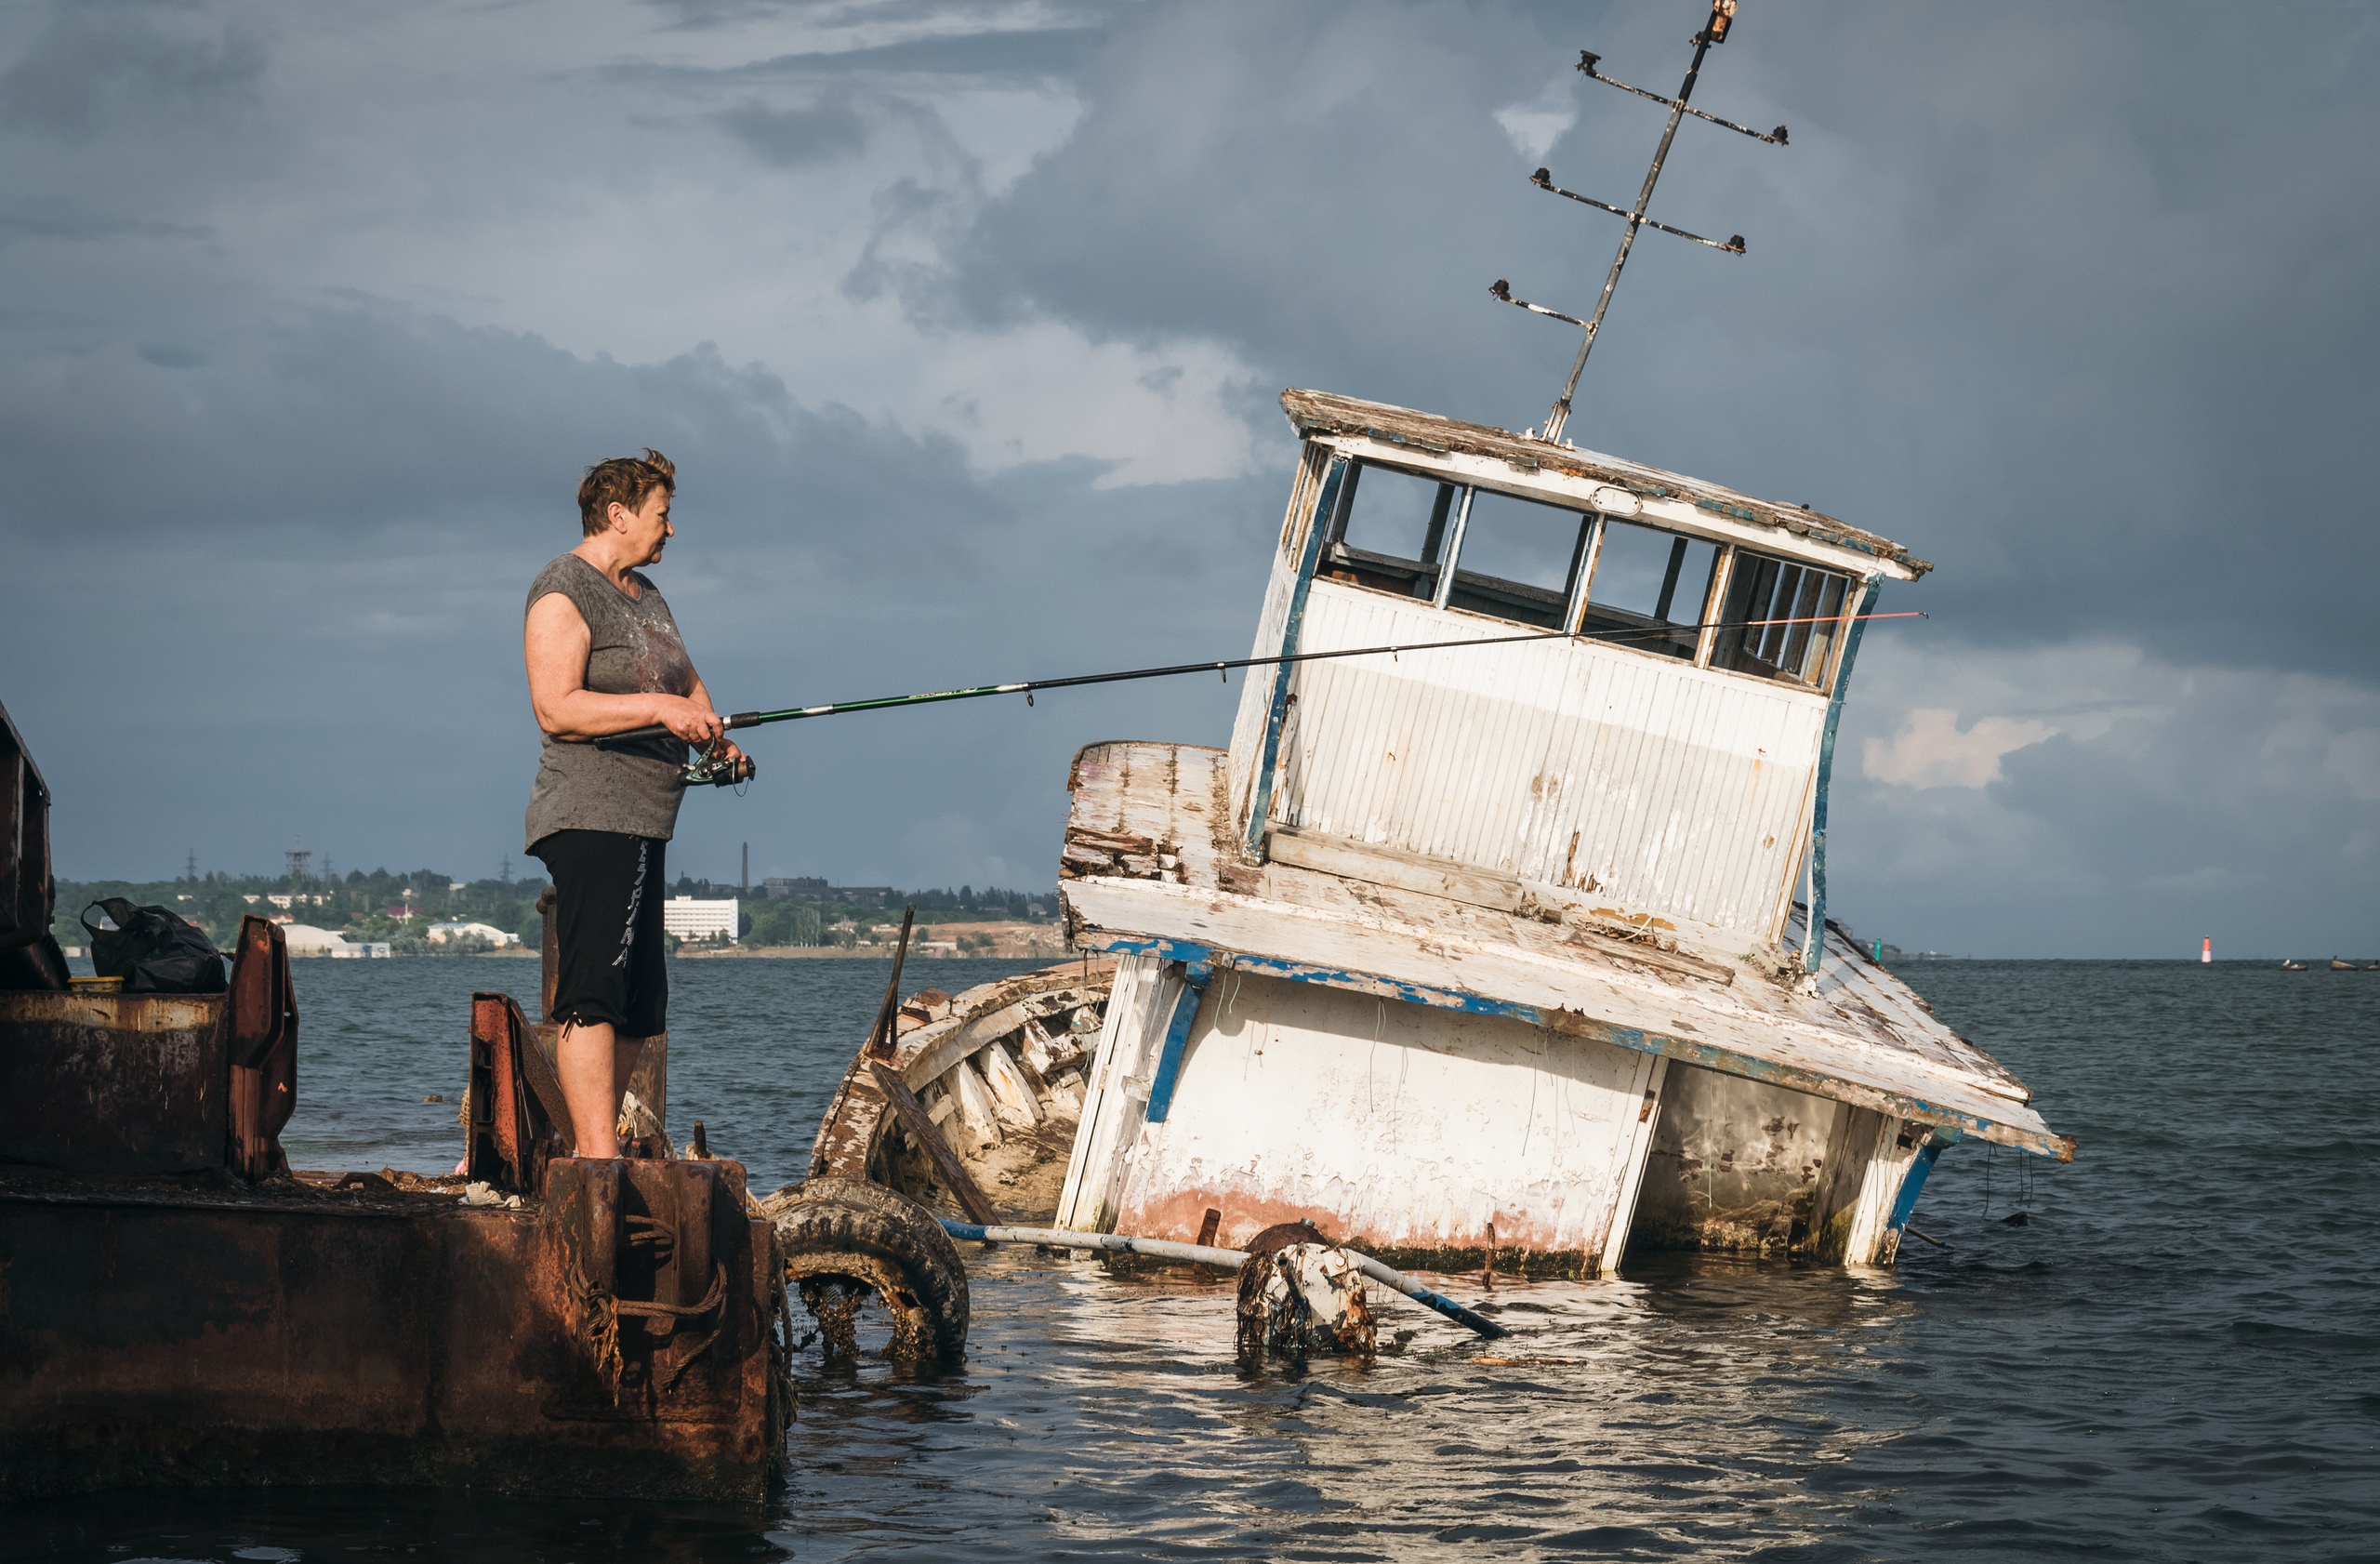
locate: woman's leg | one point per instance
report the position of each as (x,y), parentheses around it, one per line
(625,1052)
(607,897)
(591,1083)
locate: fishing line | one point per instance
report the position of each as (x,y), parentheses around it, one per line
(1222,665)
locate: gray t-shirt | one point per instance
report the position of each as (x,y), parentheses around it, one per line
(633,649)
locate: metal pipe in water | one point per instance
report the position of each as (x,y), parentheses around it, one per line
(1225,1259)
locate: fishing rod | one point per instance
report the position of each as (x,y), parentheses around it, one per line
(718,771)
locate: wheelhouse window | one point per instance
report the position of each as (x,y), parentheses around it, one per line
(1622,582)
(1518,560)
(1391,530)
(1781,619)
(1649,590)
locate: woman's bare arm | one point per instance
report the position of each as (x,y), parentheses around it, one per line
(555,645)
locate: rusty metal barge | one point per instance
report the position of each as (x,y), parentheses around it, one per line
(178,1307)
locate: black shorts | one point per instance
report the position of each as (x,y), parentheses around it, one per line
(608,889)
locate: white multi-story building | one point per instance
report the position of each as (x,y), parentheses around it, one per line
(690,919)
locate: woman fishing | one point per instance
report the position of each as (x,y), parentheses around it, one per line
(604,657)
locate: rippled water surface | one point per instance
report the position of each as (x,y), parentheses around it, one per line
(2176,1355)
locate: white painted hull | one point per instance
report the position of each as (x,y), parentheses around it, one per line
(1435,1139)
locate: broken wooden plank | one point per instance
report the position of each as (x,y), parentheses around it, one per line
(975,1105)
(1391,866)
(947,1165)
(1394,866)
(1012,1096)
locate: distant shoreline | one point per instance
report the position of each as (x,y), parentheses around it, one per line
(866,953)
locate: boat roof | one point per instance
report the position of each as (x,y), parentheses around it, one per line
(1323,414)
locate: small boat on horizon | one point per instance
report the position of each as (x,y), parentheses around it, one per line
(2292,966)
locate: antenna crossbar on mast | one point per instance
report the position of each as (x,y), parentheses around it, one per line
(1543,179)
(1723,15)
(1587,61)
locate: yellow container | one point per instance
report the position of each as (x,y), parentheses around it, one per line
(95,985)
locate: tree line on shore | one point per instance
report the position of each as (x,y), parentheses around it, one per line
(398,908)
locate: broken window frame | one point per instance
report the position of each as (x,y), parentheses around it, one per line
(1436,577)
(1821,598)
(1642,632)
(1393,573)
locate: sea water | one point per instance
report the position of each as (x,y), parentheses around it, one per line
(2168,1351)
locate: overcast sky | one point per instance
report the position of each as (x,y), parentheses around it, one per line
(965,325)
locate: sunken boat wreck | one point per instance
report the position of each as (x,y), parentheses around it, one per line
(1505,947)
(1497,937)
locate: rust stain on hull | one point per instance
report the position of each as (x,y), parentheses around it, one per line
(1522,1249)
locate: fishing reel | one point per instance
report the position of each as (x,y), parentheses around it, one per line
(713,767)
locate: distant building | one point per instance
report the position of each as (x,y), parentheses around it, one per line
(688,919)
(439,933)
(304,939)
(872,896)
(779,887)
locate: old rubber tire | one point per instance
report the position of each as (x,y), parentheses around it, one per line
(852,1229)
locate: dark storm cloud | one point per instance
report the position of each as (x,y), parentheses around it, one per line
(56,219)
(1014,55)
(99,64)
(1007,54)
(372,421)
(941,21)
(789,138)
(2076,301)
(2144,806)
(2078,304)
(303,561)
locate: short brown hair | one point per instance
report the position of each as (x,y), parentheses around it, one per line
(622,480)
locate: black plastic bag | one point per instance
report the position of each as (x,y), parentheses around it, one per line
(153,950)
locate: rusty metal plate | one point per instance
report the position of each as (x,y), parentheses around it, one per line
(128,1083)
